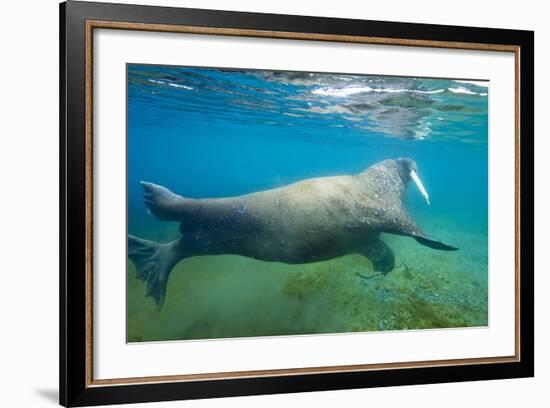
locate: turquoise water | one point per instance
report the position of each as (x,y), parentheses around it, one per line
(205,132)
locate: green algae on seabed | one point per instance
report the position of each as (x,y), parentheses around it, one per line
(226,296)
(232,296)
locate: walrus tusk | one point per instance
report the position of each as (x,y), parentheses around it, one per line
(420,186)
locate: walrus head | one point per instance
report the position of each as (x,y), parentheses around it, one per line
(408,170)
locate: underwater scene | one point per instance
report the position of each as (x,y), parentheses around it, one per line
(264,203)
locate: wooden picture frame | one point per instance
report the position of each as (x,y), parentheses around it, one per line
(78,20)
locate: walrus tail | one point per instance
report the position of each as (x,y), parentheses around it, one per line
(154,263)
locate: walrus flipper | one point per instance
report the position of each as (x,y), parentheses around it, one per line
(161,203)
(434,244)
(153,262)
(380,254)
(407,227)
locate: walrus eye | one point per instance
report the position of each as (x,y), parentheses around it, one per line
(420,186)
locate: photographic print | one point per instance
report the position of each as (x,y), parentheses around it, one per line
(266,203)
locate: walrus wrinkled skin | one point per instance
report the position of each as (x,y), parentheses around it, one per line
(307,221)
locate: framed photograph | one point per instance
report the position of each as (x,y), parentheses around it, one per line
(256,203)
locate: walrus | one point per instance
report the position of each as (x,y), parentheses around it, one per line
(308,221)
